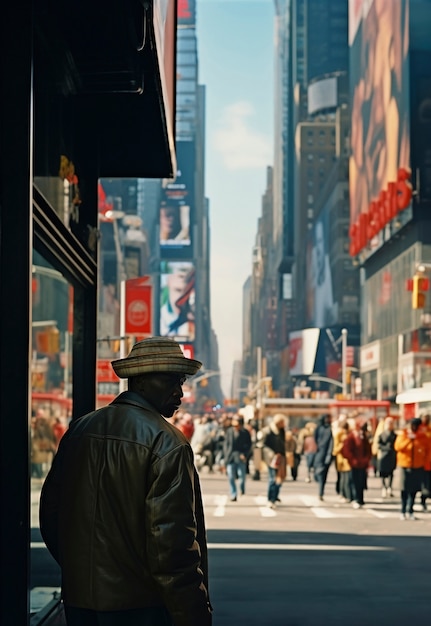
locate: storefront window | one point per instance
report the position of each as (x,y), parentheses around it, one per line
(51,362)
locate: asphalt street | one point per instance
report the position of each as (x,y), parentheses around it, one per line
(307,563)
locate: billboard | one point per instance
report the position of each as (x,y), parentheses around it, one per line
(321,306)
(379,165)
(303,351)
(177,300)
(174,222)
(322,94)
(177,206)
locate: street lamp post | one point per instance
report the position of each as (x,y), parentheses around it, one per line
(344,360)
(259,376)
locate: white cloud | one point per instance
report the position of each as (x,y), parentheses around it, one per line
(240,145)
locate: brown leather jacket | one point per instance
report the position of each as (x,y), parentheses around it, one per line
(121,511)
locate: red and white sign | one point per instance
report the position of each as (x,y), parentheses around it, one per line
(302,351)
(138,306)
(188,350)
(370,356)
(391,201)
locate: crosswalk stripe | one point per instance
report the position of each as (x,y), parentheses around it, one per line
(218,505)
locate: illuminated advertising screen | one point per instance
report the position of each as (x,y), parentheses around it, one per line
(177,300)
(321,307)
(379,167)
(322,94)
(174,222)
(177,206)
(302,351)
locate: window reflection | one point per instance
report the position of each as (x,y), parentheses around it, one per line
(51,362)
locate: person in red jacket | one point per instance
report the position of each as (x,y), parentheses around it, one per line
(186,425)
(58,428)
(412,447)
(357,450)
(426,486)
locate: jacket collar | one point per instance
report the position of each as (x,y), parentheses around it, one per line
(133,398)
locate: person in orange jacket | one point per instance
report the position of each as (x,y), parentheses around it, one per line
(412,447)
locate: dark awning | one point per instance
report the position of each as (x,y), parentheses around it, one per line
(104,76)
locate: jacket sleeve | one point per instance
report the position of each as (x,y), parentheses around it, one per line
(338,443)
(383,444)
(346,450)
(227,446)
(174,525)
(50,502)
(402,443)
(246,443)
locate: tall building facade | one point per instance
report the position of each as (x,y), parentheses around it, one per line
(351,195)
(310,189)
(390,189)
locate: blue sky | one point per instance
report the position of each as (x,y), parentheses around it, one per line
(236,59)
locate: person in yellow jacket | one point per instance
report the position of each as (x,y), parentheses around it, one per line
(412,448)
(342,464)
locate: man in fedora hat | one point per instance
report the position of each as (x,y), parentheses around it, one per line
(121,508)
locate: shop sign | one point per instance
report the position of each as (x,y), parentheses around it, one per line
(138,303)
(370,357)
(381,211)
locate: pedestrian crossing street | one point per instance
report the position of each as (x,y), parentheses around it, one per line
(303,504)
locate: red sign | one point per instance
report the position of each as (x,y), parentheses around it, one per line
(103,205)
(381,211)
(350,356)
(105,373)
(138,306)
(184,12)
(188,350)
(295,347)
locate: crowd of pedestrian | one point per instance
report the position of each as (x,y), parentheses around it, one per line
(353,445)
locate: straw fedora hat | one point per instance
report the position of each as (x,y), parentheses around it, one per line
(155,354)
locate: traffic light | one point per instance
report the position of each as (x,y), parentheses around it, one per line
(420,287)
(48,341)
